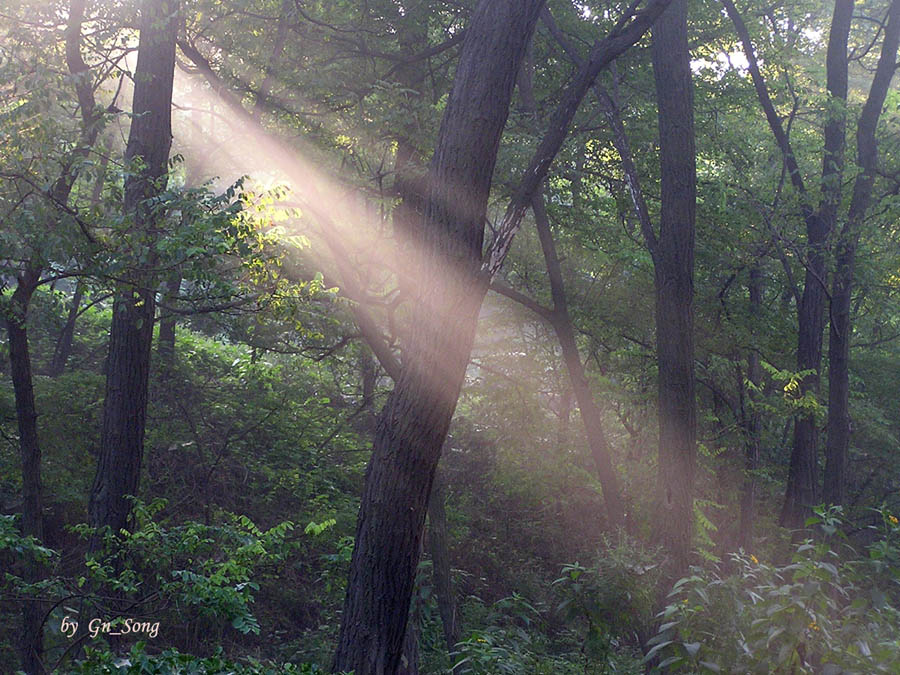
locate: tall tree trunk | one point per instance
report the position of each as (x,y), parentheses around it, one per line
(561,321)
(20,358)
(414,422)
(802,487)
(31,644)
(752,418)
(64,344)
(839,426)
(674,271)
(131,332)
(802,491)
(591,416)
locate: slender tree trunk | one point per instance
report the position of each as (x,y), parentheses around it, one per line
(414,422)
(752,416)
(439,548)
(839,426)
(674,268)
(66,337)
(803,475)
(20,358)
(591,415)
(131,332)
(802,487)
(31,643)
(165,341)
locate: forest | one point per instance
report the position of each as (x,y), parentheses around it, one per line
(466,337)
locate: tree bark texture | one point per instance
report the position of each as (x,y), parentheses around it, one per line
(674,276)
(20,358)
(839,425)
(31,644)
(131,331)
(414,422)
(802,491)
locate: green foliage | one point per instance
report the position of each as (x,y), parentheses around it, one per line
(171,662)
(12,542)
(613,600)
(510,642)
(210,572)
(243,421)
(830,610)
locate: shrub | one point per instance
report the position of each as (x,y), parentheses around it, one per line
(828,611)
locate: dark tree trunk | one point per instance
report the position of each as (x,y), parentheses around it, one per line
(562,430)
(63,348)
(803,476)
(591,414)
(674,271)
(409,660)
(439,548)
(20,358)
(839,426)
(131,332)
(802,487)
(414,422)
(752,418)
(64,344)
(124,411)
(31,643)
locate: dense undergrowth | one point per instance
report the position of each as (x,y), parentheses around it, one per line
(242,537)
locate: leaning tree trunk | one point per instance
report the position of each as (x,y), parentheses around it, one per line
(591,415)
(674,271)
(414,422)
(128,364)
